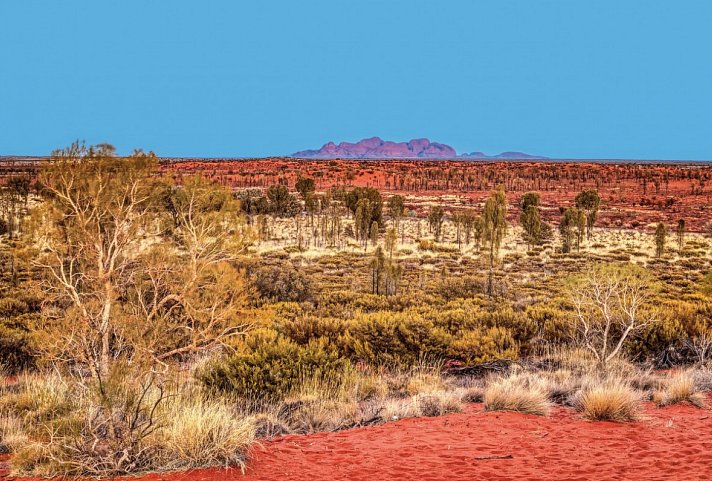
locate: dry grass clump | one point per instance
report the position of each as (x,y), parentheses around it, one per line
(311,415)
(59,426)
(197,433)
(523,394)
(395,409)
(12,435)
(438,403)
(609,400)
(679,388)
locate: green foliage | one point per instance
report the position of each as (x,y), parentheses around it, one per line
(530,218)
(660,238)
(394,339)
(282,283)
(375,204)
(271,366)
(281,203)
(589,201)
(483,345)
(305,186)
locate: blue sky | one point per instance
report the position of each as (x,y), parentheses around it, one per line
(565,78)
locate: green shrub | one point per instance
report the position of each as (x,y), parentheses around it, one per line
(483,345)
(271,366)
(394,338)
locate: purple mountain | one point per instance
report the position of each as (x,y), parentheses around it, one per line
(376,148)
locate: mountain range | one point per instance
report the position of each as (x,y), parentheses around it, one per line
(377,148)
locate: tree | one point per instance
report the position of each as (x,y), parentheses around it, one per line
(681,234)
(305,186)
(352,198)
(281,202)
(611,302)
(494,228)
(530,218)
(135,271)
(396,208)
(374,234)
(589,201)
(436,217)
(571,228)
(13,197)
(95,206)
(391,241)
(377,265)
(660,237)
(471,222)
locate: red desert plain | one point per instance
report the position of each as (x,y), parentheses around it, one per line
(670,444)
(389,320)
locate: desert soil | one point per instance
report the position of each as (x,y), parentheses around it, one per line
(672,443)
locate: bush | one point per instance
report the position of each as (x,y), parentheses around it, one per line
(271,366)
(438,403)
(481,345)
(282,283)
(395,339)
(125,424)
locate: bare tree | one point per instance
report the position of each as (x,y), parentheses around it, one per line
(611,302)
(92,222)
(134,270)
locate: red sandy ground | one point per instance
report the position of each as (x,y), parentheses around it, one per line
(673,443)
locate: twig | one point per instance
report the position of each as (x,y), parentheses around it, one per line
(496,456)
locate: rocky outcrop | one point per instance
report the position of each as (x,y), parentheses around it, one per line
(377,148)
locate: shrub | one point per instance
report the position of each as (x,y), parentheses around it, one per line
(271,366)
(124,424)
(608,401)
(517,393)
(481,345)
(306,415)
(396,339)
(282,283)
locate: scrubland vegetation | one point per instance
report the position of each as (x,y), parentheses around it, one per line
(155,322)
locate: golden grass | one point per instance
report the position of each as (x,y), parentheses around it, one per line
(438,403)
(610,400)
(523,394)
(196,433)
(12,434)
(679,388)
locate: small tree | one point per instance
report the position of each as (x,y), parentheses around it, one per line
(680,233)
(436,217)
(589,201)
(611,302)
(377,265)
(494,217)
(374,233)
(567,228)
(396,209)
(305,186)
(530,219)
(660,237)
(391,241)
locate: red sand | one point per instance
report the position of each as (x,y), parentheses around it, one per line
(673,443)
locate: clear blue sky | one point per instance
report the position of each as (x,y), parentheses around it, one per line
(566,78)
